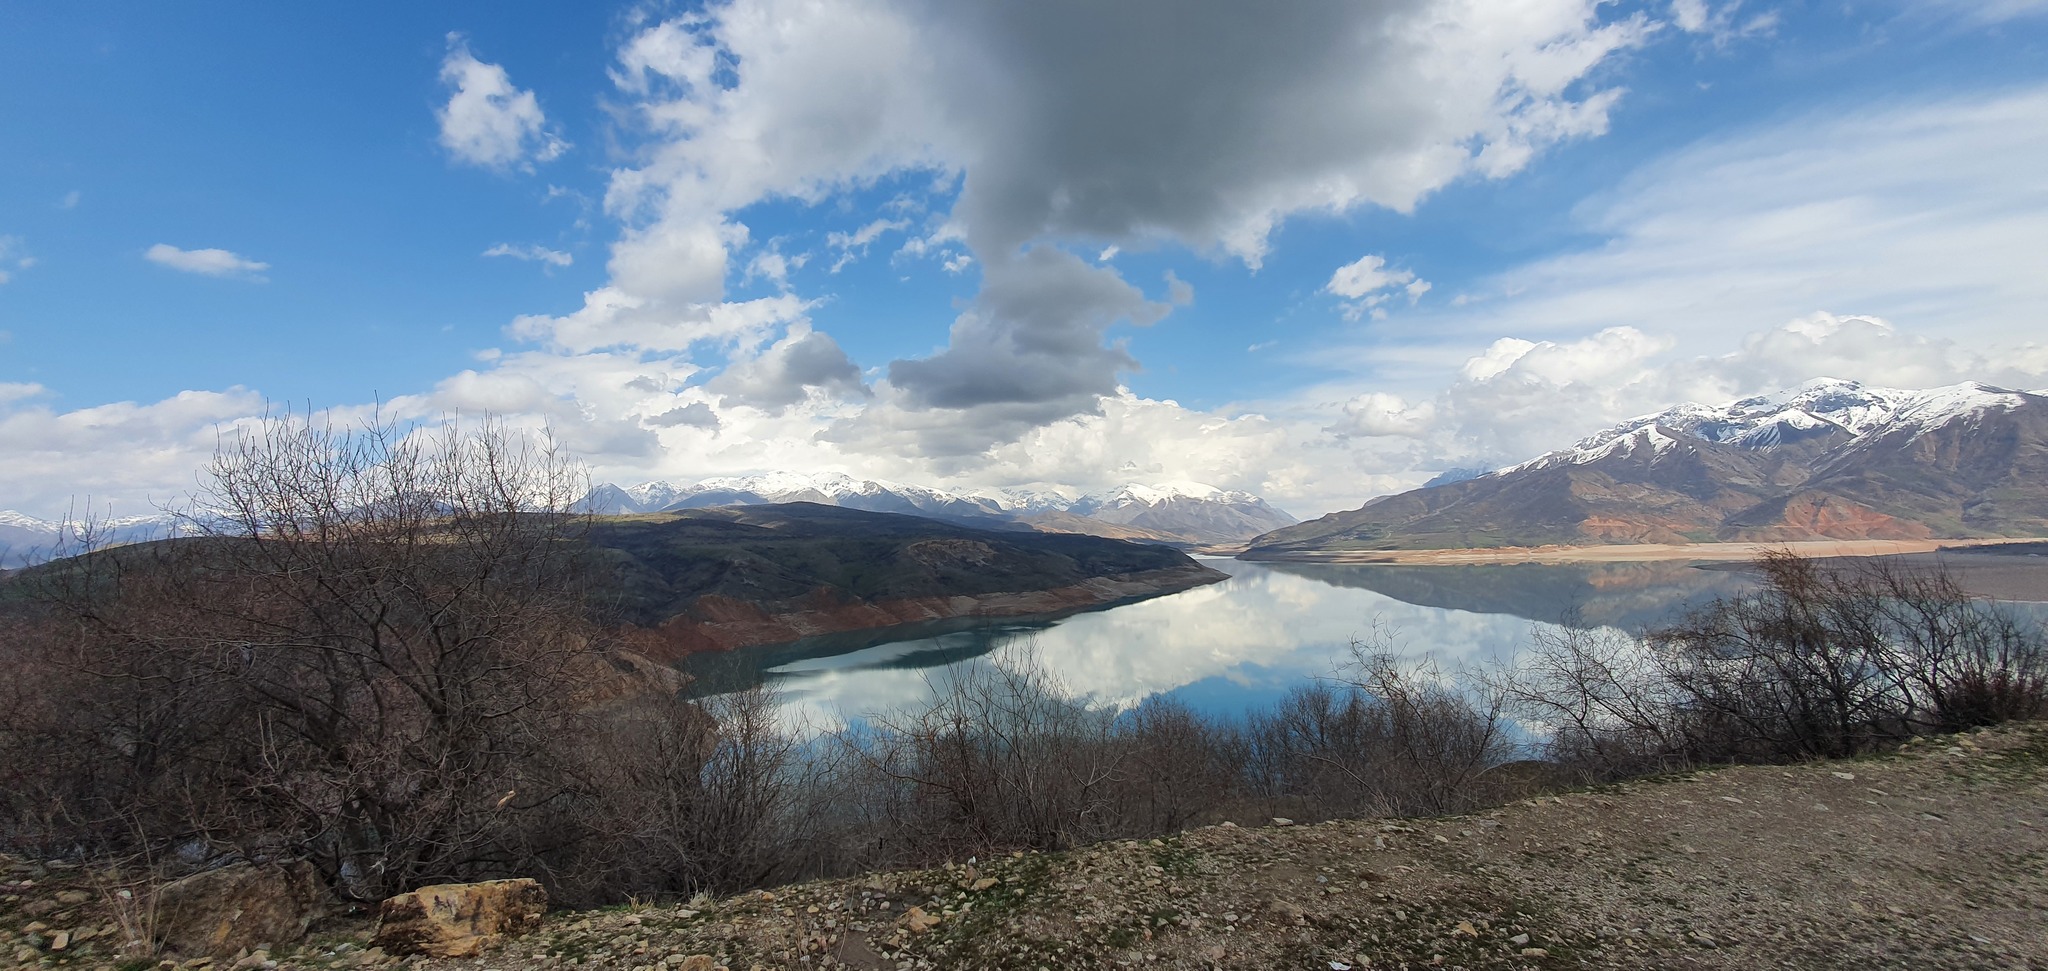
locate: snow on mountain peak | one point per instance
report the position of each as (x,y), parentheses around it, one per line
(1767,421)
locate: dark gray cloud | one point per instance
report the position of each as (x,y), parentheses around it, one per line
(1033,337)
(782,375)
(696,414)
(1211,122)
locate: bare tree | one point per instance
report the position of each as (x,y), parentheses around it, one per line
(363,656)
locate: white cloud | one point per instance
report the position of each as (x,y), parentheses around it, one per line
(206,262)
(1378,413)
(1367,282)
(56,460)
(1915,212)
(1722,23)
(1047,158)
(774,266)
(532,253)
(488,121)
(1365,275)
(1041,142)
(70,200)
(852,246)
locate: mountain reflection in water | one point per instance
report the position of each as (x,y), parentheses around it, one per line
(1233,645)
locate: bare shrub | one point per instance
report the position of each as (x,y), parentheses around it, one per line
(1393,736)
(361,659)
(1000,756)
(676,799)
(1818,662)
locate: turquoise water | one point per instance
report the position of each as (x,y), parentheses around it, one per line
(1232,645)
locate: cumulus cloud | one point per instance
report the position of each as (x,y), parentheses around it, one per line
(1208,142)
(1378,413)
(206,262)
(532,253)
(488,121)
(1518,398)
(1033,340)
(57,459)
(787,371)
(696,414)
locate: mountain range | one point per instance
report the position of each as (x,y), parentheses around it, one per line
(26,539)
(1183,514)
(1830,459)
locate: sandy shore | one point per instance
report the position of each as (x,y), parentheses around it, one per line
(1639,552)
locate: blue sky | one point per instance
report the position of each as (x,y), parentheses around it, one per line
(1064,245)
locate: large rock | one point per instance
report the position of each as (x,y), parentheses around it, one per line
(454,920)
(221,912)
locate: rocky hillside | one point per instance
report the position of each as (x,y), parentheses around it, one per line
(1930,858)
(1829,460)
(735,576)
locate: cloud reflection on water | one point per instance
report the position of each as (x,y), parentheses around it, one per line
(1242,642)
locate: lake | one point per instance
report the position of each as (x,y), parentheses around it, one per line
(1233,645)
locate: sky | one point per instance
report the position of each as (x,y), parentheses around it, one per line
(1314,251)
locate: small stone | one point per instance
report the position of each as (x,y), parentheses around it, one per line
(60,940)
(1519,940)
(918,921)
(1464,929)
(1282,821)
(1535,952)
(1731,799)
(1227,824)
(979,885)
(1844,776)
(72,898)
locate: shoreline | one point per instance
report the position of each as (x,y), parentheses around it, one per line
(1634,552)
(720,625)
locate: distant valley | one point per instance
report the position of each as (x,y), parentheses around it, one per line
(1828,460)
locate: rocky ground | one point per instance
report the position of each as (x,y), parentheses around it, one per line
(1934,857)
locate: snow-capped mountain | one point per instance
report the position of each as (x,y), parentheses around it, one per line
(1184,513)
(1830,459)
(1819,409)
(25,540)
